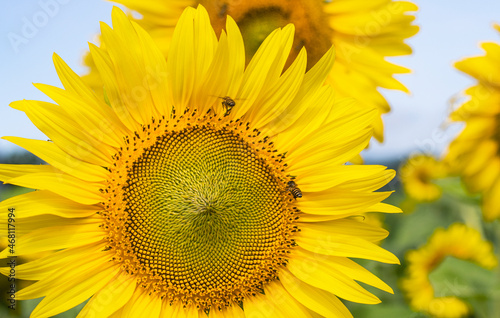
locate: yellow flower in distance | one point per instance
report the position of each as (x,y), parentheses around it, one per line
(364,34)
(458,241)
(475,153)
(164,199)
(417,175)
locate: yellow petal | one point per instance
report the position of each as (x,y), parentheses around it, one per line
(480,67)
(45,202)
(365,66)
(347,227)
(120,313)
(129,67)
(384,207)
(273,97)
(111,297)
(272,76)
(369,182)
(330,135)
(268,55)
(236,62)
(205,46)
(335,244)
(313,112)
(331,155)
(9,171)
(26,225)
(356,272)
(180,61)
(482,155)
(91,121)
(317,300)
(315,180)
(62,184)
(228,312)
(55,238)
(217,80)
(308,99)
(186,312)
(277,99)
(65,133)
(347,6)
(167,310)
(142,304)
(261,306)
(226,70)
(349,23)
(491,202)
(47,266)
(354,84)
(282,300)
(156,72)
(93,107)
(77,288)
(105,67)
(313,271)
(336,201)
(61,160)
(84,264)
(485,178)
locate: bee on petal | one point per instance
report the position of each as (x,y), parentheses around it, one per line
(228,104)
(294,190)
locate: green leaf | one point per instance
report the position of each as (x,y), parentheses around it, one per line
(463,279)
(455,188)
(383,311)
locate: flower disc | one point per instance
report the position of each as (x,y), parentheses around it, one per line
(202,213)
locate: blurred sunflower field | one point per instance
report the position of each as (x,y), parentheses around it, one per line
(230,158)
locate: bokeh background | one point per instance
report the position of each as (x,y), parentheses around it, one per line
(450,31)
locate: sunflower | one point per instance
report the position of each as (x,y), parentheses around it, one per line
(458,241)
(475,153)
(418,174)
(363,32)
(163,199)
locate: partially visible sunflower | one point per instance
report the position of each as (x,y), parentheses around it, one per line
(364,33)
(418,174)
(475,153)
(159,200)
(458,241)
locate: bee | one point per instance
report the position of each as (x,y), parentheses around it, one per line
(228,104)
(294,190)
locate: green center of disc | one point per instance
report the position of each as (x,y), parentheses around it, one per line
(205,213)
(258,24)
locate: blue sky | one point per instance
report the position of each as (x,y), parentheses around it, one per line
(450,30)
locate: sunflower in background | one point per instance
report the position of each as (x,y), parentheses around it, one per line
(475,153)
(418,174)
(459,241)
(162,200)
(364,34)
